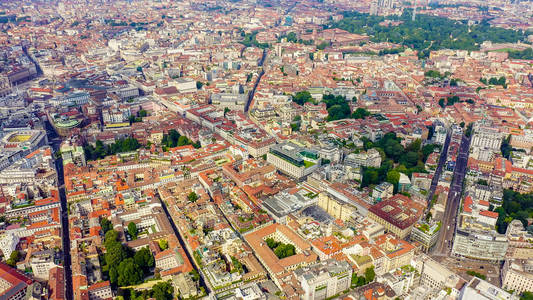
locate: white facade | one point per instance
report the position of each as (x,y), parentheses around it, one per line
(8,243)
(325,279)
(517,275)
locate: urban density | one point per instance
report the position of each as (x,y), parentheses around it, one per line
(266,149)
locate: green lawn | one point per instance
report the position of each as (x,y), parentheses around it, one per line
(308,164)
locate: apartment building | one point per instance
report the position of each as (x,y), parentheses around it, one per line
(517,275)
(480,244)
(293,160)
(325,279)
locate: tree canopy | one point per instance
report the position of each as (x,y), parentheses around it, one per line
(132,230)
(515,206)
(280,249)
(100,150)
(302,97)
(409,159)
(125,266)
(174,139)
(427,33)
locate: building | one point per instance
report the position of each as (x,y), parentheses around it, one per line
(41,263)
(17,144)
(382,191)
(229,100)
(185,85)
(275,266)
(486,138)
(480,244)
(325,279)
(520,241)
(72,153)
(440,135)
(426,234)
(517,275)
(100,291)
(8,243)
(397,214)
(13,285)
(293,160)
(370,158)
(184,284)
(56,284)
(478,289)
(335,207)
(434,275)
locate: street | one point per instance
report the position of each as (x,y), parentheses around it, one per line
(55,144)
(252,92)
(438,171)
(183,245)
(449,220)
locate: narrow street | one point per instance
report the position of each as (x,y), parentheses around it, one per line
(203,281)
(55,142)
(252,92)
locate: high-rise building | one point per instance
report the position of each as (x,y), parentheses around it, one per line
(377,6)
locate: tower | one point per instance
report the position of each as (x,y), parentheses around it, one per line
(414,12)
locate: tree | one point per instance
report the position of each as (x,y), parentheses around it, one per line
(411,159)
(106,225)
(144,259)
(302,97)
(142,113)
(115,253)
(129,273)
(441,102)
(370,274)
(226,111)
(13,258)
(132,230)
(192,196)
(360,113)
(393,177)
(163,245)
(526,295)
(113,275)
(199,85)
(111,237)
(162,291)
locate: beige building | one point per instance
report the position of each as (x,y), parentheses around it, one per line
(336,208)
(517,275)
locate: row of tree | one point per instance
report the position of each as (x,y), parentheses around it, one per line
(100,150)
(174,139)
(494,81)
(449,101)
(524,54)
(160,291)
